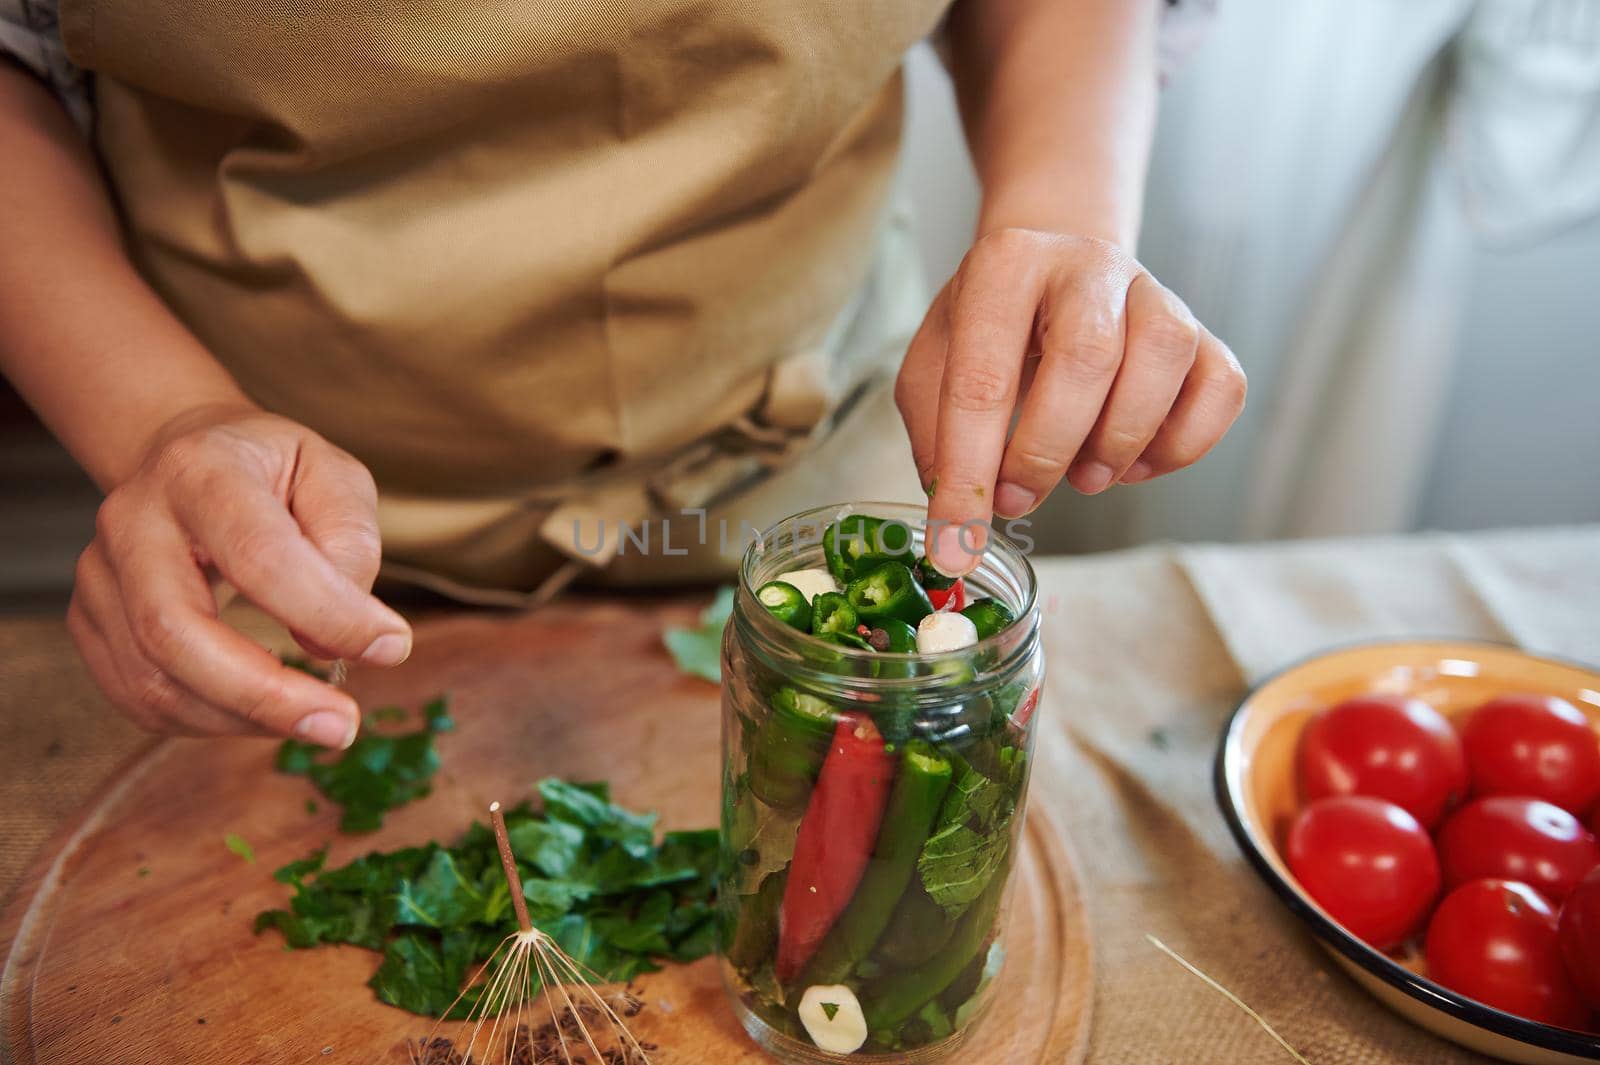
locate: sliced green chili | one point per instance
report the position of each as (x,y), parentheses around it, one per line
(789,749)
(988,616)
(786,603)
(832,612)
(855,545)
(930,577)
(890,591)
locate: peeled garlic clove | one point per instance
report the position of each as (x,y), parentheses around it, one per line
(811,582)
(833,1018)
(945,632)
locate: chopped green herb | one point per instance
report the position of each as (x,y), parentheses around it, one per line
(311,806)
(144,870)
(933,486)
(831,1009)
(385,714)
(1159,739)
(594,876)
(240,846)
(698,651)
(377,773)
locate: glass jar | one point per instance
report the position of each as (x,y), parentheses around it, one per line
(872,810)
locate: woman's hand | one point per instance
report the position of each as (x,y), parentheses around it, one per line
(1114,378)
(285,517)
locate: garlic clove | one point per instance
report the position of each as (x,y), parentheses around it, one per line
(945,632)
(833,1019)
(811,582)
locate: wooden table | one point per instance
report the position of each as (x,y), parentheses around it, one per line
(1148,651)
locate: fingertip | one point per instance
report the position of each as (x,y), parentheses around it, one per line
(332,729)
(957,546)
(1141,470)
(389,649)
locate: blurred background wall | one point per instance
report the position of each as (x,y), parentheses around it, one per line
(1389,211)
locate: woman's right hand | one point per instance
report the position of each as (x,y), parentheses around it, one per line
(286,518)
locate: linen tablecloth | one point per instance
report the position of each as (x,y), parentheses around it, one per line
(1148,652)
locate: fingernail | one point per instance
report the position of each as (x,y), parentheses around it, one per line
(1092,477)
(390,649)
(1139,471)
(956,549)
(1013,500)
(327,728)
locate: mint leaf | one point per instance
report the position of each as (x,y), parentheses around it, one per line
(698,651)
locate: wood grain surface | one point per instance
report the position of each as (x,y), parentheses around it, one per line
(129,940)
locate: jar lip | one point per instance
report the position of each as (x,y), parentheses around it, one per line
(1000,546)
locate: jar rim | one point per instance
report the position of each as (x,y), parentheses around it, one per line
(1009,648)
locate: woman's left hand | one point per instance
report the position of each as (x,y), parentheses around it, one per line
(1115,379)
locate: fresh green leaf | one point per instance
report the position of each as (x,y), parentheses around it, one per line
(698,651)
(593,877)
(972,841)
(240,846)
(831,1009)
(376,774)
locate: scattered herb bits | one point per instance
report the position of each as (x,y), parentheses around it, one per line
(379,771)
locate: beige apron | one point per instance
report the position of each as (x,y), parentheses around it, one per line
(531,262)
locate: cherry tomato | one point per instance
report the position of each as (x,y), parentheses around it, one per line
(1526,840)
(1495,941)
(1580,937)
(1534,745)
(1387,747)
(1368,863)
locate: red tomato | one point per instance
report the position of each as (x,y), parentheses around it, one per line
(1535,745)
(1526,840)
(1580,937)
(1387,747)
(1368,863)
(1495,941)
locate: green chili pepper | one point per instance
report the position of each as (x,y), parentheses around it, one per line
(988,616)
(832,612)
(847,639)
(786,603)
(789,748)
(890,591)
(856,545)
(892,634)
(899,996)
(919,790)
(918,930)
(896,637)
(929,576)
(756,933)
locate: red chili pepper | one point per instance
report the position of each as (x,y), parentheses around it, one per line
(1024,712)
(956,592)
(835,840)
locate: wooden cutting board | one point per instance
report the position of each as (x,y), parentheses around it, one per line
(129,939)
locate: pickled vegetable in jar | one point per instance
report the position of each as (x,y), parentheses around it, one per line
(876,750)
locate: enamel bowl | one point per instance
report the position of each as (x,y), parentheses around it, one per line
(1255,783)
